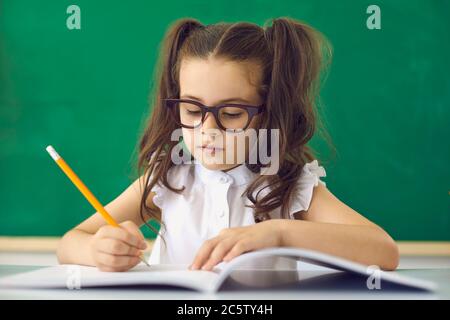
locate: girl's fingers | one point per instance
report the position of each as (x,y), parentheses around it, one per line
(204,252)
(219,251)
(239,248)
(116,262)
(132,228)
(116,247)
(122,235)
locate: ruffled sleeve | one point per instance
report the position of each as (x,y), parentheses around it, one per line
(158,198)
(309,178)
(158,189)
(178,176)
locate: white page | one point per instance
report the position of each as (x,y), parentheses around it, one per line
(75,276)
(325,260)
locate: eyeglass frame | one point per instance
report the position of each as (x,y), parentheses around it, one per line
(250,109)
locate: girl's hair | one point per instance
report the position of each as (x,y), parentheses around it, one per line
(291,55)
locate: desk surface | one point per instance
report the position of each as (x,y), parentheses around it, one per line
(436,269)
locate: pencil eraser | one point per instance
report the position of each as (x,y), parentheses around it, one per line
(52,153)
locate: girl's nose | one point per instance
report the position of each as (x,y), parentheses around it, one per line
(209,122)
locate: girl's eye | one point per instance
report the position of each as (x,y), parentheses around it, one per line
(193,112)
(232,115)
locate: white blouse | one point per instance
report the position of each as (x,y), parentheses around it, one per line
(212,201)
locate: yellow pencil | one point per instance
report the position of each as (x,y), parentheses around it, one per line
(85,191)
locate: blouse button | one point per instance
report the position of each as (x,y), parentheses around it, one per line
(222,213)
(223,180)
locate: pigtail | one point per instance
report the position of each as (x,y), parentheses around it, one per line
(296,59)
(168,87)
(155,144)
(165,70)
(174,40)
(296,64)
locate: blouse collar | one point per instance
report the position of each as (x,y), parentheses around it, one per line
(239,175)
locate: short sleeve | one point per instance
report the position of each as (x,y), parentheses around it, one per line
(159,191)
(158,198)
(178,176)
(309,178)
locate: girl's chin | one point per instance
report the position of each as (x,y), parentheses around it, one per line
(213,160)
(215,166)
(212,163)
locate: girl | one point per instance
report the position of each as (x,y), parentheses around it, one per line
(218,82)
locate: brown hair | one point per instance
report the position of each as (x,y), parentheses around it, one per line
(291,55)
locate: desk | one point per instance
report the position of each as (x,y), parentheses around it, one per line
(436,269)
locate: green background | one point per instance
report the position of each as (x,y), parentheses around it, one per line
(386,104)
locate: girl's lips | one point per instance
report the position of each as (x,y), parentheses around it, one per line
(210,148)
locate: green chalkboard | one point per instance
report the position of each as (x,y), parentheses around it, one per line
(386,104)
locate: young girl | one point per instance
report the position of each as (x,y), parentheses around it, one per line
(216,83)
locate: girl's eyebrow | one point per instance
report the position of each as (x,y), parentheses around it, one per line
(242,100)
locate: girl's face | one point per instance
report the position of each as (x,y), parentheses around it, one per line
(213,81)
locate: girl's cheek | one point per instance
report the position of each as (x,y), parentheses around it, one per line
(188,138)
(235,145)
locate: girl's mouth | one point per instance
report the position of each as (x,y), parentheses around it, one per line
(210,149)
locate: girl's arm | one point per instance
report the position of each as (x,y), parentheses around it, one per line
(328,226)
(95,243)
(332,227)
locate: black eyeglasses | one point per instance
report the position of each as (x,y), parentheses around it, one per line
(230,116)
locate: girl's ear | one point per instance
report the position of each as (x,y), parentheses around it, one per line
(178,32)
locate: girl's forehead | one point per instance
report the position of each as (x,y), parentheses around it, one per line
(215,79)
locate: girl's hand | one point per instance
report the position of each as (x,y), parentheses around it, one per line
(117,249)
(232,242)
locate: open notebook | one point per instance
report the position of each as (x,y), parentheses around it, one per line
(236,270)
